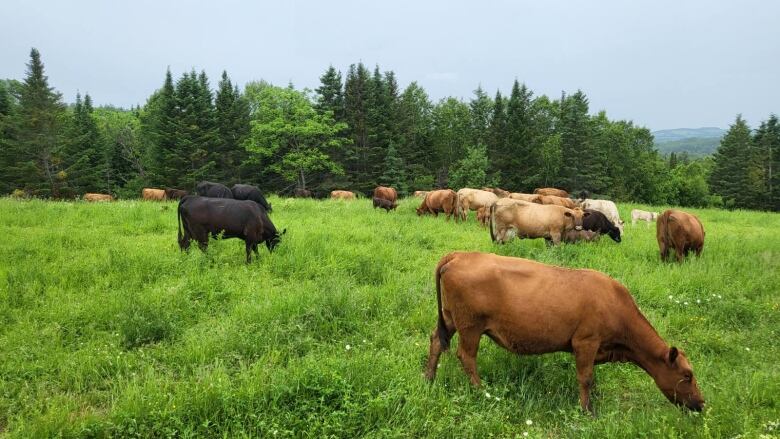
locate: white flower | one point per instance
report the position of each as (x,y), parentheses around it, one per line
(487,395)
(670,297)
(348,347)
(497,398)
(525,433)
(747,349)
(529,422)
(698,301)
(676,301)
(685,303)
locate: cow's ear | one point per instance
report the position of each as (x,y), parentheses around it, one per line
(568,213)
(586,213)
(673,355)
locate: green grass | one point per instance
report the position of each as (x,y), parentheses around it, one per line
(107,329)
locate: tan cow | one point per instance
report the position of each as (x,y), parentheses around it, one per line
(386,193)
(420,193)
(680,231)
(153,194)
(442,200)
(532,198)
(529,308)
(551,191)
(558,201)
(529,220)
(342,195)
(473,199)
(98,197)
(483,215)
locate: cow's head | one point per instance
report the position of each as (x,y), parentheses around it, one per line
(273,242)
(674,377)
(574,218)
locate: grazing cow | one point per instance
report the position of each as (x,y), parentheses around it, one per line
(213,190)
(97,197)
(551,191)
(153,194)
(531,308)
(342,195)
(572,236)
(680,231)
(529,220)
(500,193)
(558,201)
(386,193)
(531,198)
(606,207)
(252,193)
(175,194)
(641,215)
(442,200)
(302,193)
(244,219)
(472,199)
(598,222)
(384,204)
(420,193)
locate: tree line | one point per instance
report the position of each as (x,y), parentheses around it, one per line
(357,130)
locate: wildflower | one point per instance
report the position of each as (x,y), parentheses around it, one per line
(747,349)
(698,301)
(529,422)
(685,303)
(348,347)
(670,297)
(487,395)
(525,433)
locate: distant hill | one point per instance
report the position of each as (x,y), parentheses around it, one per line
(697,142)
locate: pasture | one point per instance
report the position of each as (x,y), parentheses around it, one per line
(107,329)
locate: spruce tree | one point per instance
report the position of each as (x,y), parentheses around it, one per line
(497,138)
(159,129)
(359,154)
(481,113)
(520,163)
(767,145)
(415,145)
(580,167)
(729,177)
(84,160)
(232,124)
(6,156)
(394,173)
(330,94)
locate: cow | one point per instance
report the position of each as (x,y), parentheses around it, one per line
(419,194)
(302,193)
(641,215)
(680,231)
(551,191)
(472,199)
(213,190)
(442,200)
(572,236)
(500,193)
(608,208)
(175,194)
(532,198)
(531,308)
(201,216)
(558,201)
(483,215)
(252,193)
(97,197)
(342,195)
(598,222)
(386,193)
(529,220)
(384,204)
(153,194)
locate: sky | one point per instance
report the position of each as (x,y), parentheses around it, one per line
(663,64)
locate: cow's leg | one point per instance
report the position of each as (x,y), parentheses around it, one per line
(680,253)
(698,250)
(435,350)
(584,357)
(254,249)
(663,250)
(248,245)
(468,345)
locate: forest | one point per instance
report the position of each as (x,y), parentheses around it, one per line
(358,129)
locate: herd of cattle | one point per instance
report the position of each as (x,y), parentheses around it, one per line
(524,306)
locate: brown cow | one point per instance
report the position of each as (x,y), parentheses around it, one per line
(386,193)
(420,193)
(98,197)
(472,199)
(581,235)
(302,193)
(500,193)
(175,194)
(529,308)
(532,198)
(342,195)
(384,204)
(551,191)
(680,231)
(529,220)
(558,201)
(153,194)
(442,200)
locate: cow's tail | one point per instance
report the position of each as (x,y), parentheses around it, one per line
(493,222)
(457,206)
(441,326)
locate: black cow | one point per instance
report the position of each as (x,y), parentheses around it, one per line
(244,219)
(174,194)
(213,190)
(249,192)
(597,222)
(302,193)
(384,204)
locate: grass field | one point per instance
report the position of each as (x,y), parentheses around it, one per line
(107,329)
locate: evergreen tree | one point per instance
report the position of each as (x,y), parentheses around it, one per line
(730,177)
(84,159)
(6,156)
(232,125)
(415,146)
(767,141)
(472,170)
(581,166)
(497,138)
(159,129)
(451,129)
(34,161)
(360,155)
(330,94)
(520,163)
(481,113)
(394,174)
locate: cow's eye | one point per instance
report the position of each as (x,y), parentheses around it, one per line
(688,376)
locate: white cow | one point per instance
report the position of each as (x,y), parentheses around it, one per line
(608,208)
(641,215)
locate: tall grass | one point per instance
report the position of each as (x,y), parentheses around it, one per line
(107,329)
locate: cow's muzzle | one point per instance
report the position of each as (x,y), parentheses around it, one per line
(578,228)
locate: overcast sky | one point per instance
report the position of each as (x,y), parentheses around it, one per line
(663,64)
